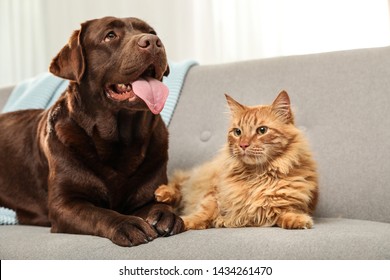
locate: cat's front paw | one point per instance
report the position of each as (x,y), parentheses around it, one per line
(165,193)
(194,223)
(295,221)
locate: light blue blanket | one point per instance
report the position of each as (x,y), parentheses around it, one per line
(42,91)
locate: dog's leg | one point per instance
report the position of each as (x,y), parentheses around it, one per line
(83,217)
(162,217)
(79,202)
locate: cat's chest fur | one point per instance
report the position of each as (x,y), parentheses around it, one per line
(245,196)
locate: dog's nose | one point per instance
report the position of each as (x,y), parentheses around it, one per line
(149,41)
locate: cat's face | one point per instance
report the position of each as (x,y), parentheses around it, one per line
(258,135)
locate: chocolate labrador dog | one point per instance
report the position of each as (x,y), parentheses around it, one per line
(90,164)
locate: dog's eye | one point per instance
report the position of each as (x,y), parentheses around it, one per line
(152,32)
(110,36)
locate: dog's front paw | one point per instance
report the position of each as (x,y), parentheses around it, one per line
(132,231)
(166,223)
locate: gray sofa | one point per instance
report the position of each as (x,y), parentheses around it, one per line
(342,102)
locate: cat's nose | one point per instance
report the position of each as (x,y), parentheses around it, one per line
(244,145)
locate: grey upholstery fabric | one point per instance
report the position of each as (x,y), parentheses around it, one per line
(341,101)
(329,239)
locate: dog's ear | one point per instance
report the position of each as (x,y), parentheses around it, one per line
(69,62)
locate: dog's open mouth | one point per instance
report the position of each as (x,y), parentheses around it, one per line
(120,92)
(152,91)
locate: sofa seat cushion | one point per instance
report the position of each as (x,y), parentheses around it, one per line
(331,238)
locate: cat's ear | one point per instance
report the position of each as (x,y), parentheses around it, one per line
(281,106)
(234,106)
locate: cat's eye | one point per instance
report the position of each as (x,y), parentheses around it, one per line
(262,130)
(237,131)
(110,36)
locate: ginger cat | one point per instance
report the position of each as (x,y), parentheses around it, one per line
(263,176)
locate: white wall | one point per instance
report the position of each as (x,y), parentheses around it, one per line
(209,31)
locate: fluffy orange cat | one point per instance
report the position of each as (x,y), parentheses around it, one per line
(263,176)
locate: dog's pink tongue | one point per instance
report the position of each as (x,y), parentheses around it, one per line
(153,92)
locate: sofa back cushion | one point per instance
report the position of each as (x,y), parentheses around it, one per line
(341,102)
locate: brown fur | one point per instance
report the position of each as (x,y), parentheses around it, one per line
(90,164)
(257,179)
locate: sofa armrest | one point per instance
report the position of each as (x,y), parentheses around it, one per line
(5,92)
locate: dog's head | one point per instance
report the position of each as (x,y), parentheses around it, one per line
(119,60)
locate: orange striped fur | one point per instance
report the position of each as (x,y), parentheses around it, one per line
(264,175)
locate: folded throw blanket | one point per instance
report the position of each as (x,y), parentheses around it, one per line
(7,217)
(42,91)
